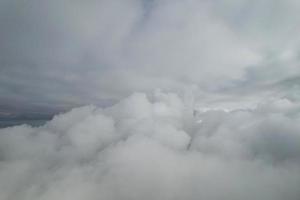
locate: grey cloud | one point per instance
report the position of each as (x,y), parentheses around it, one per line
(61,52)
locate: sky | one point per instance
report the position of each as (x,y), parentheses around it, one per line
(59,54)
(150,99)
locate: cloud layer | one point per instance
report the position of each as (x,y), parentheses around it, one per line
(225,127)
(58,53)
(155,147)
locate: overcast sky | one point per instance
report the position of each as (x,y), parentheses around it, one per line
(193,99)
(64,53)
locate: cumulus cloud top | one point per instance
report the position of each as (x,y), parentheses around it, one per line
(155,147)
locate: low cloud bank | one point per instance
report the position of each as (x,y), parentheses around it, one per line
(155,147)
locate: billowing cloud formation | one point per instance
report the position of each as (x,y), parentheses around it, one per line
(155,147)
(59,52)
(233,135)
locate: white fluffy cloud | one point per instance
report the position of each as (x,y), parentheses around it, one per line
(155,147)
